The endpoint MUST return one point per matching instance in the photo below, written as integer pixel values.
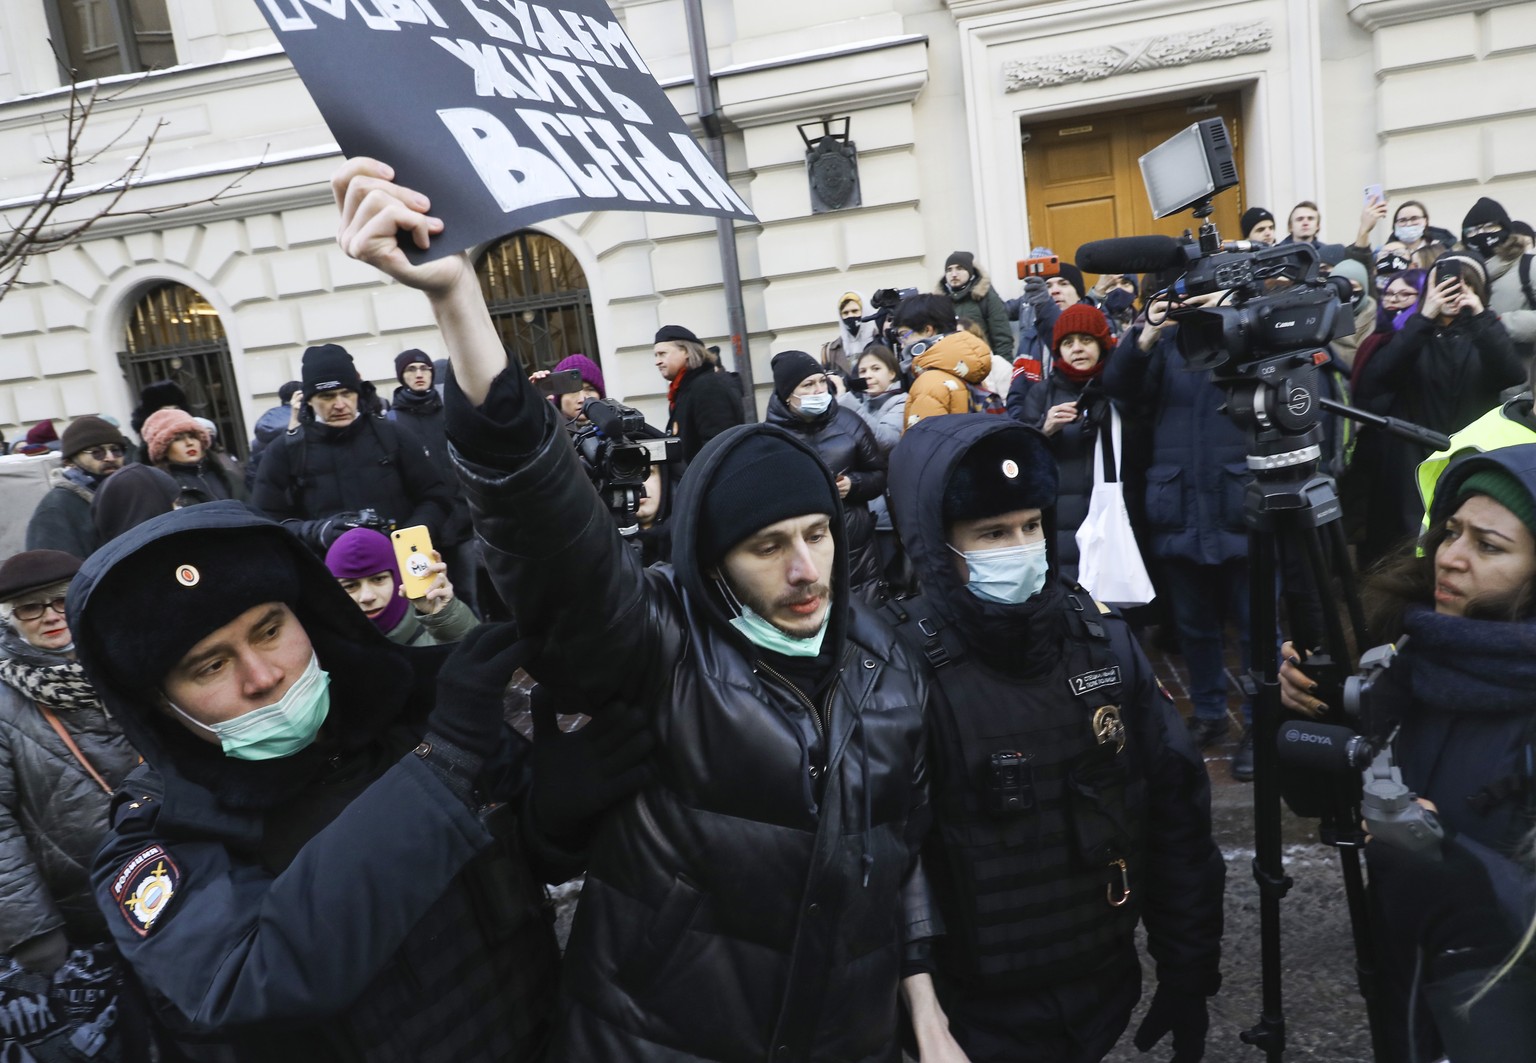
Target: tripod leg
(1268, 872)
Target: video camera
(617, 463)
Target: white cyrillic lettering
(491, 77)
(705, 170)
(573, 74)
(519, 10)
(546, 127)
(555, 39)
(416, 12)
(495, 25)
(628, 109)
(582, 34)
(546, 88)
(612, 37)
(372, 19)
(288, 21)
(514, 175)
(614, 139)
(671, 175)
(605, 159)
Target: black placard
(502, 112)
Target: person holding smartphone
(1443, 369)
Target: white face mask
(1408, 234)
(815, 405)
(1008, 576)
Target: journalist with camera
(341, 460)
(1458, 704)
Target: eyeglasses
(33, 610)
(904, 335)
(1410, 219)
(103, 453)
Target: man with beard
(93, 450)
(1068, 799)
(748, 903)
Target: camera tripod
(1295, 528)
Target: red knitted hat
(1084, 318)
(164, 425)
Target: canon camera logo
(1294, 735)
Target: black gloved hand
(471, 685)
(578, 775)
(1445, 906)
(1036, 294)
(1178, 1008)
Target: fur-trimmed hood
(978, 288)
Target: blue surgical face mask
(1008, 576)
(764, 635)
(815, 405)
(1408, 234)
(280, 729)
(1118, 300)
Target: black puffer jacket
(206, 478)
(320, 471)
(847, 445)
(420, 416)
(738, 908)
(52, 813)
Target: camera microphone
(1323, 747)
(1130, 254)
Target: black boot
(1206, 732)
(1242, 760)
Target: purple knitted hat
(364, 552)
(590, 373)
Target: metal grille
(174, 334)
(538, 298)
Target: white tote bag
(1109, 562)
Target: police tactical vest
(1035, 856)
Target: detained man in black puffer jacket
(754, 901)
(340, 461)
(803, 404)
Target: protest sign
(502, 112)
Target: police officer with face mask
(1069, 801)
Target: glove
(1446, 906)
(1179, 1009)
(580, 774)
(1035, 291)
(466, 722)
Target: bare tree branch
(35, 233)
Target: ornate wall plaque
(1174, 49)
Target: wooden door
(1082, 181)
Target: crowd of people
(870, 757)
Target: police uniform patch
(145, 887)
(1088, 682)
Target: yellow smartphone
(413, 553)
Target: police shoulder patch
(145, 886)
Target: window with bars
(174, 334)
(99, 38)
(538, 297)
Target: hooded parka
(337, 904)
(977, 300)
(1025, 896)
(747, 904)
(847, 446)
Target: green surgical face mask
(764, 635)
(280, 729)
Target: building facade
(983, 125)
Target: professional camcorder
(617, 462)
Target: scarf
(49, 677)
(1470, 666)
(1078, 376)
(420, 403)
(672, 388)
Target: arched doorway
(174, 334)
(538, 297)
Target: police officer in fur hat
(1069, 802)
